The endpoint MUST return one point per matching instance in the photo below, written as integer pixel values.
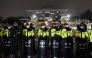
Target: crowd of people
(15, 38)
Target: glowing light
(34, 16)
(51, 19)
(68, 16)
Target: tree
(21, 17)
(90, 17)
(86, 15)
(11, 20)
(1, 19)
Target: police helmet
(9, 26)
(15, 24)
(56, 24)
(66, 25)
(82, 25)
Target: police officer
(8, 36)
(28, 41)
(81, 39)
(34, 49)
(63, 34)
(31, 26)
(90, 42)
(55, 41)
(43, 34)
(17, 41)
(1, 37)
(69, 42)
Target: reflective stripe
(81, 48)
(90, 35)
(77, 33)
(70, 33)
(47, 33)
(67, 47)
(44, 34)
(83, 35)
(1, 34)
(7, 33)
(24, 31)
(63, 33)
(7, 45)
(90, 38)
(32, 32)
(28, 33)
(39, 32)
(58, 33)
(53, 31)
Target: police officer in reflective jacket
(8, 36)
(69, 42)
(55, 41)
(34, 49)
(1, 37)
(17, 40)
(63, 37)
(43, 34)
(81, 39)
(28, 34)
(90, 42)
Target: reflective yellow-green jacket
(77, 33)
(64, 33)
(90, 35)
(40, 32)
(28, 33)
(7, 33)
(43, 33)
(58, 32)
(81, 34)
(53, 32)
(2, 32)
(69, 33)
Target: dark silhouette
(11, 20)
(86, 15)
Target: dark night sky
(19, 7)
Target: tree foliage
(11, 20)
(86, 15)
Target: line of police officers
(22, 39)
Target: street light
(68, 16)
(50, 19)
(34, 16)
(68, 19)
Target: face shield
(15, 24)
(24, 24)
(56, 25)
(66, 25)
(43, 26)
(27, 26)
(9, 27)
(81, 27)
